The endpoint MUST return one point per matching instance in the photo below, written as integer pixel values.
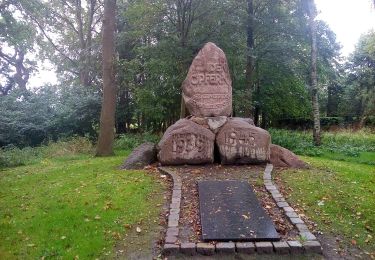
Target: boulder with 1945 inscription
(241, 143)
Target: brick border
(174, 211)
(311, 244)
(172, 246)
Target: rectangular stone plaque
(230, 211)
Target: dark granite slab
(230, 211)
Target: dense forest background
(156, 41)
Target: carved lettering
(243, 143)
(186, 143)
(207, 78)
(240, 137)
(207, 89)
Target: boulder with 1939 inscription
(186, 142)
(240, 143)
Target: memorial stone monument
(207, 93)
(207, 89)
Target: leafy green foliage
(47, 114)
(26, 119)
(359, 96)
(335, 144)
(327, 123)
(68, 36)
(155, 54)
(298, 142)
(77, 112)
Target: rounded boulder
(186, 142)
(239, 142)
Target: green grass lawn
(338, 193)
(73, 206)
(65, 204)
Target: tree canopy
(155, 44)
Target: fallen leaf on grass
(108, 205)
(369, 237)
(116, 235)
(368, 228)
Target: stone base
(192, 141)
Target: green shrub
(130, 141)
(370, 121)
(43, 115)
(70, 146)
(12, 156)
(344, 142)
(349, 143)
(325, 122)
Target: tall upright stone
(207, 89)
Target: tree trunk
(85, 40)
(264, 121)
(256, 114)
(107, 115)
(22, 74)
(183, 110)
(313, 73)
(250, 65)
(121, 120)
(256, 107)
(333, 99)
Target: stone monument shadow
(217, 154)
